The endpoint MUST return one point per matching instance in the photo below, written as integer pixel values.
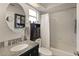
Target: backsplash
(14, 41)
(11, 42)
(1, 44)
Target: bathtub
(57, 52)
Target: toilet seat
(45, 51)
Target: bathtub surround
(62, 36)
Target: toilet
(43, 51)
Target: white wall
(62, 30)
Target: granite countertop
(6, 50)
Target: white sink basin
(19, 47)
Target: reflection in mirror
(19, 21)
(15, 17)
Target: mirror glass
(15, 17)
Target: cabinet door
(26, 54)
(32, 52)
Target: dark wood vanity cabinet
(32, 52)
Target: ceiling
(52, 7)
(47, 5)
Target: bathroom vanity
(31, 50)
